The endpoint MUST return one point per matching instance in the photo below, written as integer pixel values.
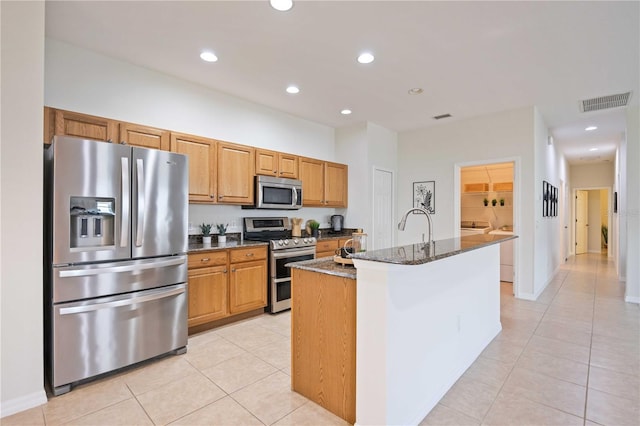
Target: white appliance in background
(506, 256)
(472, 227)
(116, 271)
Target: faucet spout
(403, 221)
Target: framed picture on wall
(545, 198)
(424, 196)
(615, 202)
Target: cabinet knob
(220, 197)
(206, 259)
(275, 172)
(233, 269)
(224, 272)
(249, 254)
(212, 196)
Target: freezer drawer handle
(124, 223)
(123, 268)
(117, 303)
(141, 206)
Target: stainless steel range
(283, 249)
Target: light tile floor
(571, 357)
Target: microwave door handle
(295, 196)
(126, 202)
(141, 200)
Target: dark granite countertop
(325, 265)
(197, 247)
(417, 254)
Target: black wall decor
(615, 202)
(549, 200)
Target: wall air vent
(605, 102)
(440, 117)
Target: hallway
(571, 357)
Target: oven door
(280, 276)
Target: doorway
(592, 220)
(382, 235)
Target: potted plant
(494, 202)
(222, 232)
(486, 201)
(314, 225)
(205, 228)
(502, 201)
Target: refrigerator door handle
(141, 206)
(126, 202)
(118, 303)
(124, 268)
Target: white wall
(80, 80)
(433, 153)
(632, 209)
(21, 344)
(550, 166)
(363, 147)
(592, 175)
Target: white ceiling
(471, 58)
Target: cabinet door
(85, 126)
(247, 286)
(312, 177)
(145, 137)
(235, 167)
(202, 160)
(335, 185)
(288, 166)
(49, 124)
(266, 162)
(207, 295)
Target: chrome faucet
(403, 222)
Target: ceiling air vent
(605, 102)
(440, 117)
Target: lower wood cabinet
(223, 283)
(326, 248)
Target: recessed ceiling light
(590, 128)
(208, 56)
(281, 5)
(366, 58)
(593, 149)
(416, 91)
(293, 90)
(345, 112)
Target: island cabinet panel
(312, 177)
(235, 169)
(207, 295)
(67, 123)
(144, 137)
(247, 286)
(323, 340)
(202, 161)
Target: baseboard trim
(15, 405)
(632, 299)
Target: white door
(582, 224)
(382, 209)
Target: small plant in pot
(502, 201)
(205, 228)
(494, 202)
(222, 232)
(486, 201)
(314, 225)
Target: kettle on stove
(336, 222)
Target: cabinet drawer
(246, 254)
(209, 258)
(328, 245)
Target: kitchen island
(382, 343)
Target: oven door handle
(293, 252)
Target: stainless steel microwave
(278, 193)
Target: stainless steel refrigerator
(116, 221)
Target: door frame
(574, 192)
(375, 168)
(517, 211)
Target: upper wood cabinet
(312, 177)
(335, 184)
(83, 125)
(145, 137)
(202, 163)
(273, 163)
(324, 184)
(235, 172)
